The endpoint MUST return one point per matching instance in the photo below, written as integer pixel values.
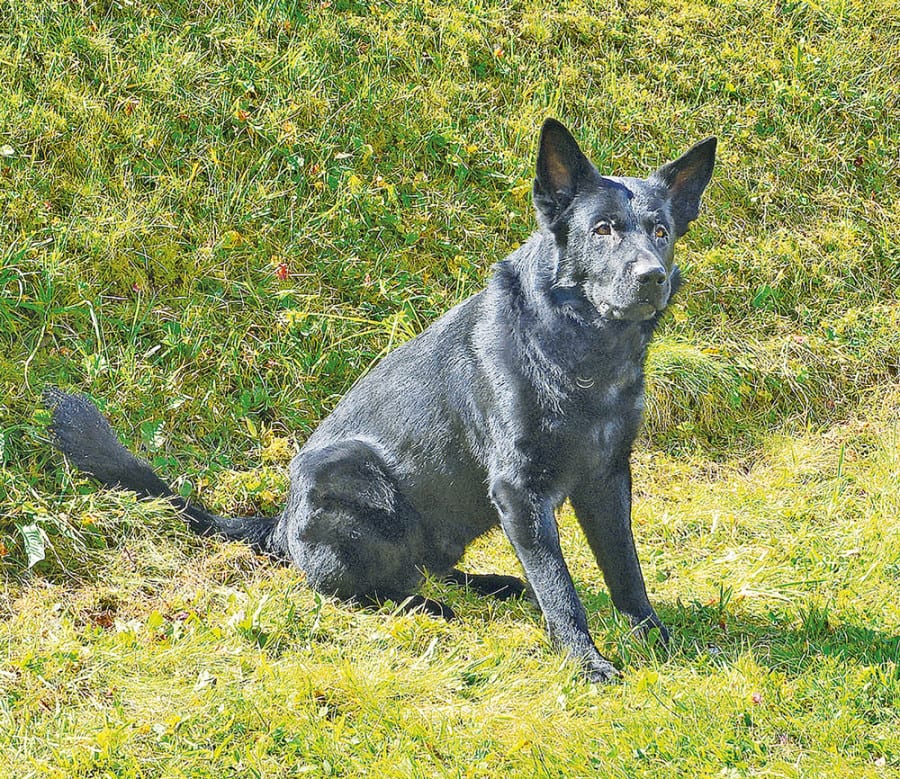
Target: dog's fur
(525, 394)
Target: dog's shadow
(789, 638)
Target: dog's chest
(600, 416)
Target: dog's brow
(613, 200)
(616, 185)
(649, 203)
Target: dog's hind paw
(410, 605)
(492, 584)
(420, 604)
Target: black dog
(521, 396)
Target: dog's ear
(561, 167)
(686, 178)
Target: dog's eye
(660, 232)
(602, 228)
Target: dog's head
(616, 236)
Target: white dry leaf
(204, 679)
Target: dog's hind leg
(495, 585)
(349, 526)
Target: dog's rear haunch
(521, 396)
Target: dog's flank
(521, 396)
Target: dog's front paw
(643, 626)
(599, 670)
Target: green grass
(163, 165)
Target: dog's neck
(557, 333)
(564, 314)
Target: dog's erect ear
(686, 178)
(561, 167)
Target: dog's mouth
(637, 311)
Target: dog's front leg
(529, 522)
(603, 508)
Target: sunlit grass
(214, 217)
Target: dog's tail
(83, 435)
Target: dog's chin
(634, 312)
(622, 310)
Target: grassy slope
(159, 163)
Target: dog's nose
(650, 273)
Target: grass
(214, 217)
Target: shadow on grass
(779, 640)
(787, 638)
(784, 639)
